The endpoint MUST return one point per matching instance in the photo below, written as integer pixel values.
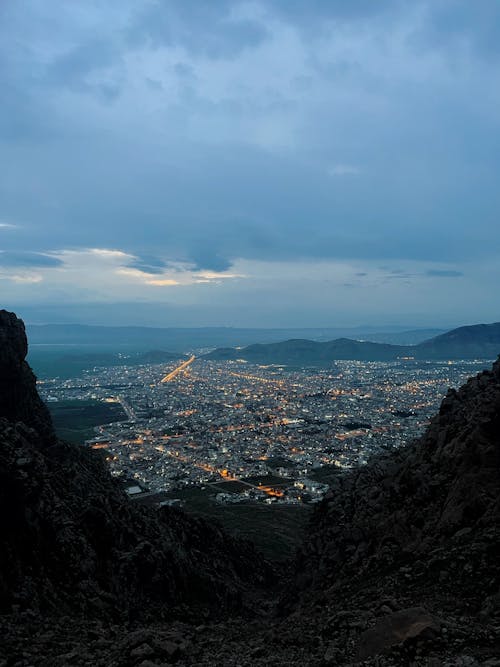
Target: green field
(275, 529)
(75, 420)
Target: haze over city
(250, 163)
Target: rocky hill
(400, 566)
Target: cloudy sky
(268, 163)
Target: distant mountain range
(470, 342)
(187, 339)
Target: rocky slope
(441, 491)
(401, 566)
(71, 542)
(412, 542)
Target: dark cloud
(203, 28)
(444, 273)
(207, 258)
(316, 11)
(148, 264)
(207, 132)
(28, 260)
(461, 24)
(77, 68)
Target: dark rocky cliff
(439, 495)
(70, 541)
(19, 400)
(403, 554)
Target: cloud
(106, 253)
(209, 258)
(26, 259)
(146, 278)
(444, 273)
(89, 67)
(23, 278)
(203, 28)
(148, 264)
(196, 136)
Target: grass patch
(75, 420)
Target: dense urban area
(253, 433)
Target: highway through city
(170, 376)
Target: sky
(269, 163)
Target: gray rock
(394, 629)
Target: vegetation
(75, 420)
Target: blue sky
(272, 163)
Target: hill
(478, 341)
(308, 352)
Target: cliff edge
(72, 543)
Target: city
(249, 433)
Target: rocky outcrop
(19, 400)
(72, 542)
(436, 501)
(415, 530)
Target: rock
(168, 649)
(142, 651)
(19, 400)
(385, 609)
(395, 629)
(331, 655)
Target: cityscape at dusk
(256, 433)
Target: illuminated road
(224, 473)
(170, 376)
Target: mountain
(185, 339)
(479, 341)
(411, 337)
(399, 567)
(308, 352)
